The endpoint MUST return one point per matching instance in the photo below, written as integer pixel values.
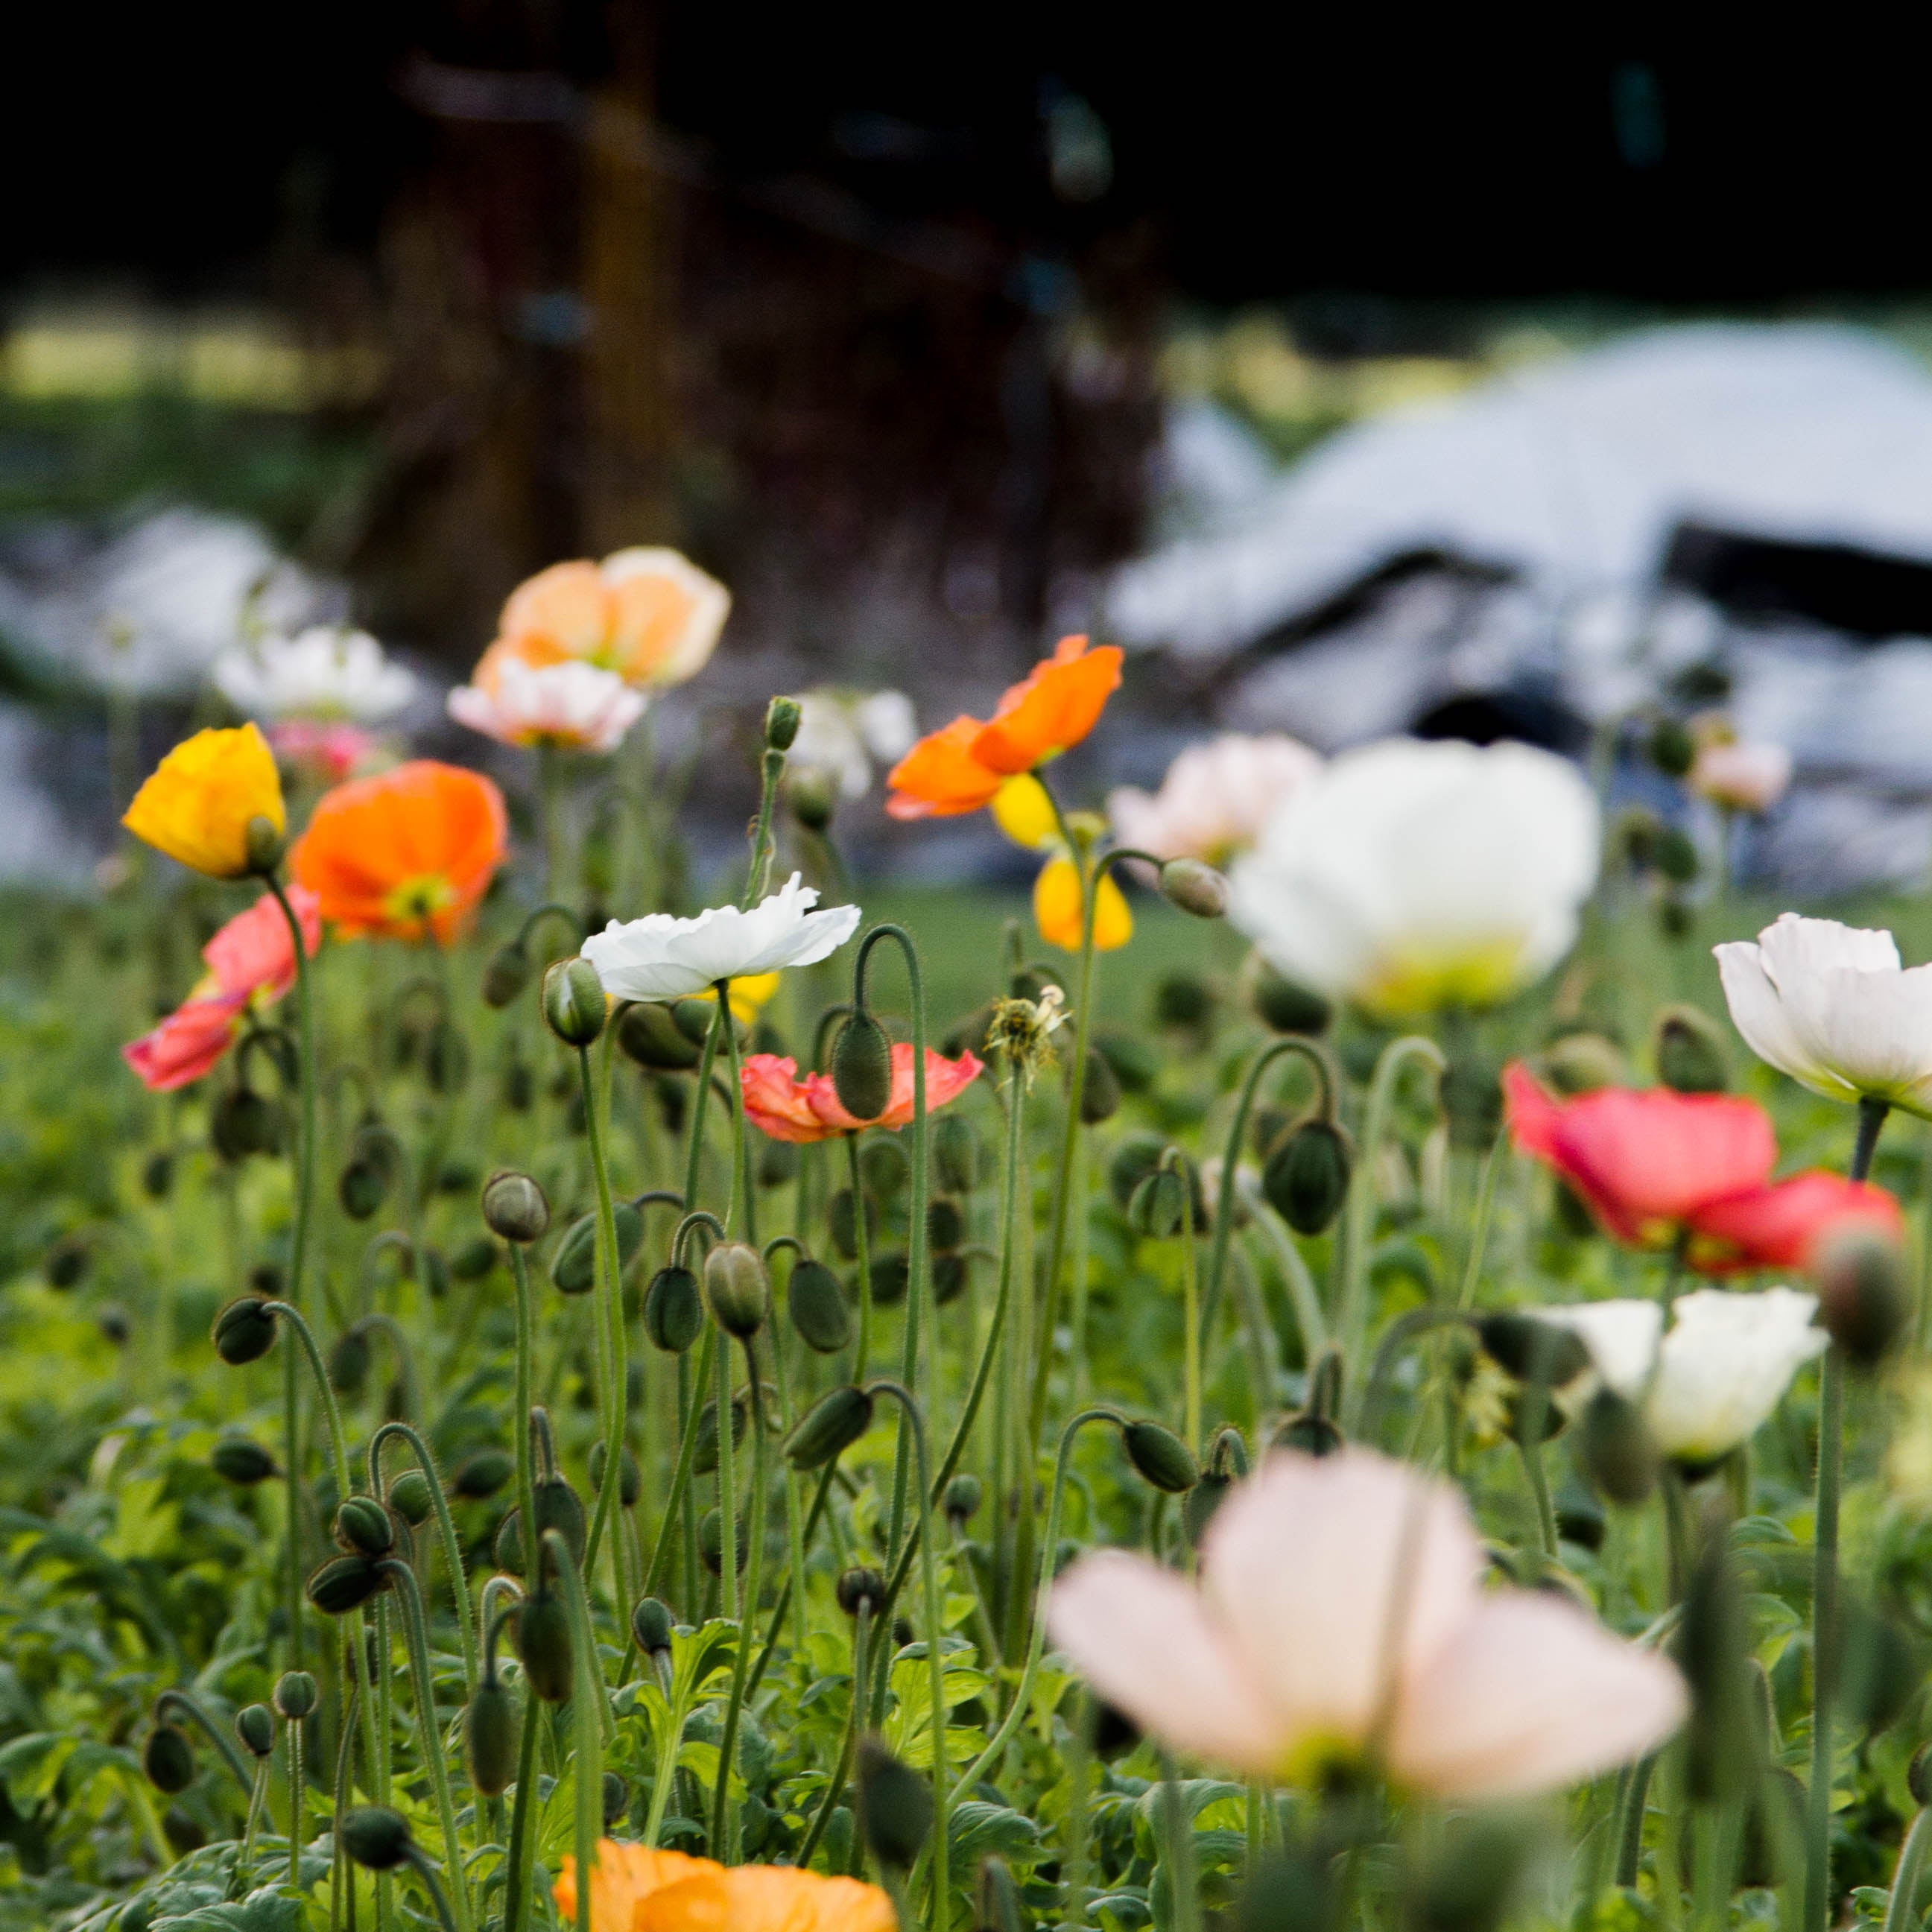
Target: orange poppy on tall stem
(959, 769)
(406, 853)
(635, 1888)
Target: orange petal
(940, 778)
(777, 1103)
(568, 604)
(621, 1878)
(764, 1898)
(1052, 709)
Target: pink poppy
(787, 1108)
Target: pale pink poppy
(251, 960)
(1741, 777)
(572, 704)
(1215, 798)
(1341, 1614)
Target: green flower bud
(1865, 1300)
(630, 1478)
(1689, 1051)
(1160, 1204)
(781, 721)
(490, 1736)
(245, 1122)
(1135, 1065)
(1282, 1004)
(648, 1035)
(737, 1288)
(1183, 1000)
(183, 1834)
(411, 1497)
(711, 1541)
(296, 1696)
(1674, 855)
(1581, 1062)
(1675, 918)
(361, 1187)
(816, 1303)
(1100, 1092)
(830, 1427)
(255, 1726)
(895, 1806)
(1531, 1350)
(842, 1215)
(519, 1085)
(1194, 887)
(243, 1331)
(1616, 1450)
(345, 1583)
(862, 1066)
(505, 974)
(544, 1642)
(778, 1163)
(168, 1759)
(861, 1588)
(945, 1224)
(445, 1059)
(1305, 1179)
(673, 1310)
(262, 839)
(157, 1175)
(241, 1460)
(377, 1838)
(892, 1275)
(364, 1528)
(558, 1507)
(813, 795)
(704, 1453)
(574, 1005)
(482, 1473)
(949, 1278)
(956, 1154)
(1671, 749)
(1309, 1434)
(1160, 1455)
(515, 1208)
(573, 1267)
(693, 1019)
(475, 1260)
(651, 1625)
(962, 1498)
(1136, 1156)
(1472, 1102)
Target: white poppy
(661, 957)
(1340, 1605)
(572, 704)
(323, 673)
(1215, 798)
(1408, 877)
(1718, 1373)
(1831, 1006)
(842, 734)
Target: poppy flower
(1340, 1615)
(960, 768)
(251, 960)
(573, 704)
(1780, 1226)
(1024, 811)
(649, 615)
(332, 752)
(406, 854)
(635, 1888)
(1217, 798)
(778, 1102)
(198, 803)
(327, 674)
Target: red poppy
(1780, 1226)
(787, 1108)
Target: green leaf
(979, 1831)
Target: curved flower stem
(862, 1350)
(1301, 1290)
(611, 1313)
(180, 1700)
(741, 1664)
(258, 1792)
(523, 1816)
(338, 1443)
(680, 1498)
(452, 1545)
(588, 1712)
(834, 1786)
(1899, 1915)
(429, 1734)
(418, 1862)
(1352, 1314)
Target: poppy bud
(945, 1224)
(514, 1207)
(1100, 1092)
(1531, 1350)
(490, 1734)
(245, 1122)
(816, 1303)
(737, 1288)
(1160, 1455)
(345, 1583)
(243, 1331)
(1864, 1301)
(518, 1085)
(813, 795)
(1282, 1004)
(361, 1187)
(649, 1036)
(1581, 1062)
(778, 1163)
(892, 1275)
(711, 1541)
(895, 1806)
(1305, 1179)
(377, 1838)
(157, 1175)
(296, 1696)
(997, 1905)
(446, 1059)
(1672, 748)
(962, 1497)
(1160, 1204)
(506, 973)
(1183, 1000)
(1616, 1449)
(482, 1473)
(861, 1587)
(651, 1625)
(573, 1267)
(630, 1479)
(544, 1641)
(1674, 855)
(168, 1759)
(560, 1507)
(704, 1455)
(364, 1528)
(67, 1262)
(242, 1461)
(781, 721)
(1689, 1052)
(673, 1310)
(1472, 1102)
(1194, 887)
(616, 1796)
(410, 1497)
(829, 1428)
(574, 1005)
(255, 1726)
(956, 1154)
(262, 841)
(1134, 1159)
(862, 1066)
(1309, 1434)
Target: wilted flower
(649, 615)
(634, 1888)
(406, 854)
(251, 961)
(1022, 1030)
(200, 800)
(1831, 1006)
(572, 705)
(325, 674)
(661, 957)
(1216, 798)
(1340, 1615)
(1408, 876)
(787, 1108)
(841, 733)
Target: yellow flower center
(420, 897)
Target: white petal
(1758, 1013)
(1725, 1366)
(1797, 948)
(1621, 1336)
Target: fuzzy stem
(609, 1312)
(586, 1695)
(754, 1570)
(452, 1546)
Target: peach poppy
(252, 959)
(787, 1108)
(405, 853)
(633, 1889)
(651, 615)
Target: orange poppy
(406, 854)
(960, 768)
(633, 1889)
(651, 615)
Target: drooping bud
(673, 1310)
(574, 1006)
(651, 1625)
(1159, 1207)
(648, 1035)
(296, 1696)
(737, 1288)
(1581, 1062)
(861, 1588)
(410, 1497)
(1134, 1159)
(956, 1154)
(255, 1726)
(777, 1164)
(377, 1838)
(244, 1331)
(704, 1452)
(1533, 1351)
(1864, 1299)
(364, 1528)
(1195, 887)
(1472, 1102)
(482, 1473)
(1688, 1051)
(505, 974)
(1161, 1457)
(157, 1174)
(1282, 1004)
(862, 1066)
(544, 1641)
(630, 1477)
(813, 795)
(1185, 1000)
(241, 1460)
(1309, 1434)
(1227, 1462)
(514, 1207)
(781, 721)
(490, 1736)
(245, 1122)
(945, 1224)
(361, 1187)
(962, 1498)
(345, 1583)
(1674, 855)
(895, 1806)
(830, 1427)
(168, 1759)
(948, 1278)
(1305, 1179)
(1616, 1449)
(711, 1541)
(1100, 1091)
(573, 1267)
(816, 1303)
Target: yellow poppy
(750, 996)
(1057, 908)
(1024, 813)
(635, 1889)
(198, 804)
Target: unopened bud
(1672, 750)
(859, 1589)
(241, 1460)
(1305, 1179)
(830, 1427)
(1160, 1455)
(1194, 887)
(1134, 1159)
(1183, 1000)
(1282, 1004)
(782, 719)
(168, 1759)
(377, 1838)
(574, 1005)
(364, 1528)
(361, 1187)
(1100, 1091)
(1616, 1449)
(737, 1288)
(649, 1035)
(67, 1262)
(573, 1267)
(514, 1207)
(813, 795)
(483, 1472)
(1472, 1102)
(673, 1310)
(895, 1806)
(345, 1583)
(1864, 1299)
(410, 1497)
(263, 840)
(816, 1303)
(245, 1122)
(630, 1477)
(296, 1696)
(962, 1498)
(704, 1452)
(1674, 855)
(505, 974)
(544, 1642)
(651, 1625)
(711, 1542)
(244, 1331)
(1581, 1062)
(255, 1726)
(862, 1066)
(490, 1734)
(1689, 1051)
(1533, 1351)
(157, 1175)
(1309, 1434)
(1160, 1204)
(956, 1154)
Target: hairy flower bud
(1160, 1203)
(1616, 1449)
(1195, 887)
(296, 1695)
(255, 1726)
(489, 1735)
(862, 1066)
(1310, 1433)
(711, 1542)
(410, 1497)
(1282, 1004)
(673, 1310)
(364, 1528)
(816, 1303)
(1688, 1051)
(345, 1583)
(1864, 1298)
(573, 1267)
(813, 795)
(377, 1838)
(956, 1154)
(630, 1478)
(361, 1187)
(1581, 1062)
(649, 1035)
(1533, 1351)
(514, 1207)
(830, 1427)
(895, 1806)
(1160, 1455)
(168, 1759)
(651, 1625)
(544, 1641)
(245, 1122)
(574, 1005)
(781, 721)
(962, 1498)
(244, 1331)
(1672, 748)
(861, 1588)
(482, 1473)
(505, 974)
(241, 1460)
(1100, 1091)
(737, 1288)
(1305, 1179)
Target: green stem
(180, 1700)
(610, 1312)
(862, 1352)
(754, 1569)
(1899, 1914)
(1177, 1852)
(298, 1796)
(586, 1696)
(452, 1545)
(526, 1495)
(835, 1788)
(522, 1814)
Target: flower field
(1359, 1362)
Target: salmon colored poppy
(651, 615)
(251, 960)
(959, 768)
(1057, 908)
(633, 1889)
(199, 801)
(787, 1108)
(406, 854)
(1781, 1226)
